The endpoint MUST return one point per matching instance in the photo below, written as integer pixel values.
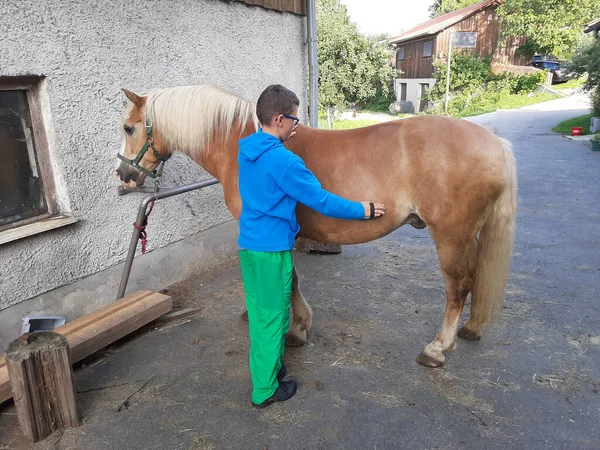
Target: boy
(272, 181)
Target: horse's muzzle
(127, 174)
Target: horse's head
(141, 153)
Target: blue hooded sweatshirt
(272, 180)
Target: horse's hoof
(469, 335)
(293, 340)
(245, 316)
(429, 361)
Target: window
(21, 186)
(26, 184)
(427, 49)
(399, 56)
(424, 102)
(402, 92)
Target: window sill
(35, 228)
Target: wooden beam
(293, 6)
(5, 390)
(94, 331)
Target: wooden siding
(293, 6)
(488, 44)
(487, 34)
(414, 65)
(505, 52)
(488, 39)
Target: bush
(587, 61)
(381, 101)
(467, 74)
(596, 102)
(474, 86)
(503, 82)
(528, 82)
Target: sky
(387, 16)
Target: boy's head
(276, 109)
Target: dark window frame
(32, 85)
(423, 101)
(403, 91)
(398, 59)
(431, 50)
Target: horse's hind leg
(301, 316)
(459, 281)
(471, 331)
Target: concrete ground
(531, 383)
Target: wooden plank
(293, 6)
(112, 322)
(103, 312)
(35, 228)
(94, 331)
(5, 390)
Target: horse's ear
(134, 98)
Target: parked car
(559, 69)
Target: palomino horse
(449, 175)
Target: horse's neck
(221, 162)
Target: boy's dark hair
(275, 99)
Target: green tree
(587, 61)
(551, 26)
(352, 66)
(441, 7)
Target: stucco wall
(88, 50)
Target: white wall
(413, 89)
(88, 50)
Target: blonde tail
(495, 246)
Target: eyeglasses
(295, 119)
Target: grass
(571, 84)
(347, 124)
(511, 101)
(581, 121)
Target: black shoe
(282, 373)
(285, 391)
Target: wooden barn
(476, 28)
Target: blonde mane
(190, 117)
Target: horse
(452, 176)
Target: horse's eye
(128, 129)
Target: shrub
(596, 102)
(381, 101)
(467, 74)
(473, 85)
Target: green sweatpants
(268, 284)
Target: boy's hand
(373, 210)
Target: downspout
(302, 244)
(313, 63)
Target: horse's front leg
(459, 281)
(300, 317)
